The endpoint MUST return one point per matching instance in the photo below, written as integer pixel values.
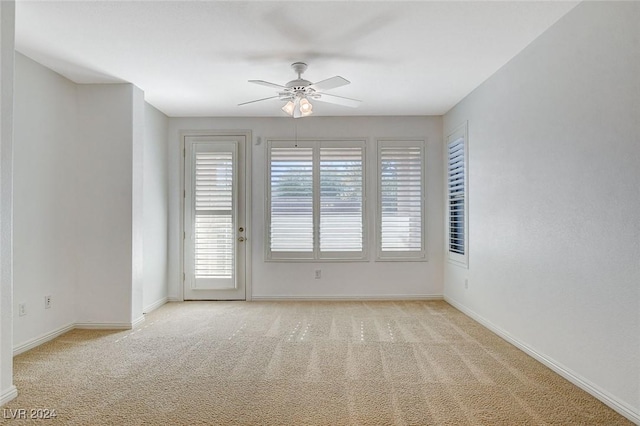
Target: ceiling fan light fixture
(288, 108)
(305, 107)
(300, 107)
(297, 113)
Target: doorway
(215, 248)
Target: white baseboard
(8, 395)
(37, 341)
(137, 321)
(104, 325)
(174, 299)
(350, 298)
(152, 307)
(624, 409)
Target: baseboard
(37, 341)
(349, 298)
(584, 384)
(137, 321)
(30, 344)
(104, 325)
(8, 395)
(174, 299)
(152, 307)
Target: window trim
(316, 255)
(461, 131)
(401, 256)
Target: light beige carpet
(296, 363)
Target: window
(213, 222)
(400, 219)
(316, 195)
(291, 201)
(341, 199)
(457, 217)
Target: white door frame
(247, 195)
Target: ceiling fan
(298, 93)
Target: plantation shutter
(456, 198)
(401, 199)
(291, 201)
(341, 201)
(214, 226)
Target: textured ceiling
(193, 58)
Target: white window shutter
(214, 228)
(401, 200)
(457, 200)
(291, 200)
(316, 200)
(456, 184)
(341, 201)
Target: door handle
(241, 239)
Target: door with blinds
(214, 218)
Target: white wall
(105, 204)
(80, 180)
(554, 195)
(45, 236)
(76, 234)
(137, 202)
(155, 207)
(7, 32)
(340, 280)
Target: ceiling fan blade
(266, 83)
(330, 83)
(258, 100)
(338, 100)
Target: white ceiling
(193, 58)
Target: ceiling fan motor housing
(299, 85)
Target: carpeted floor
(297, 363)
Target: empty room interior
(320, 212)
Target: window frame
(316, 255)
(461, 131)
(401, 256)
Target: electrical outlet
(47, 302)
(318, 274)
(466, 283)
(22, 309)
